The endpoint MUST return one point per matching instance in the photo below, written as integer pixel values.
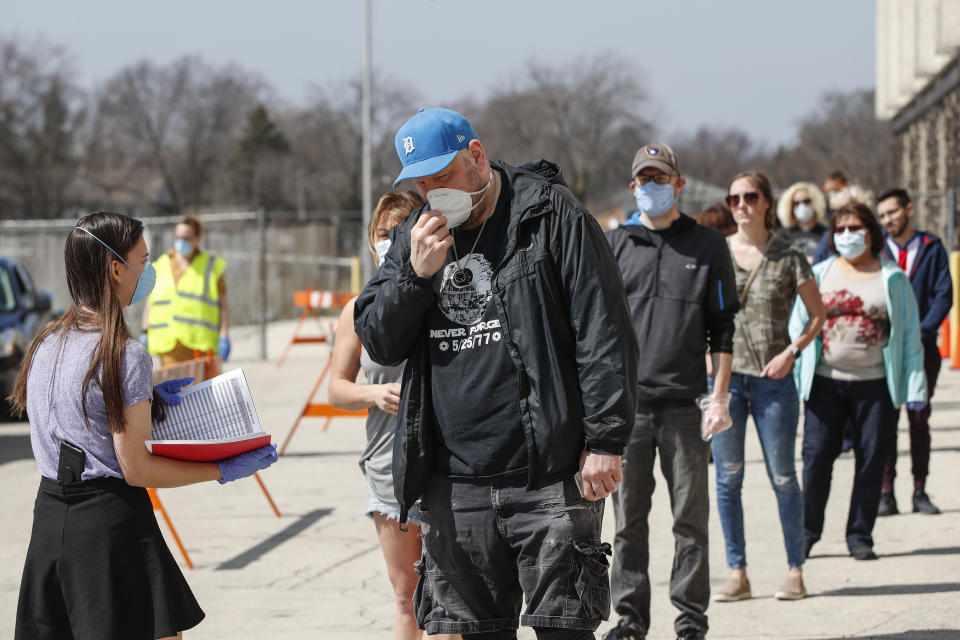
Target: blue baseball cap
(430, 140)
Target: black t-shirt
(806, 241)
(474, 380)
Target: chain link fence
(269, 255)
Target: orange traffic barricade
(310, 300)
(158, 506)
(202, 367)
(944, 335)
(320, 410)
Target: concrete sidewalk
(317, 571)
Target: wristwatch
(793, 349)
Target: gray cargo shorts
(489, 543)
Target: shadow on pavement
(926, 634)
(319, 454)
(895, 590)
(14, 447)
(933, 551)
(274, 541)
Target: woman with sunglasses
(770, 275)
(802, 210)
(867, 362)
(97, 565)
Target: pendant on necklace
(462, 277)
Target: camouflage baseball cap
(656, 155)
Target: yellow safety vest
(187, 311)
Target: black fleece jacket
(682, 293)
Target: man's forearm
(722, 365)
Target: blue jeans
(775, 409)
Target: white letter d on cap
(408, 144)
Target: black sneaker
(922, 504)
(863, 552)
(625, 631)
(888, 504)
(691, 635)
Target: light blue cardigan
(903, 355)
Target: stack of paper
(215, 420)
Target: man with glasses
(682, 292)
(922, 256)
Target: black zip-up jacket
(682, 292)
(566, 326)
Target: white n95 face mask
(803, 212)
(850, 244)
(455, 205)
(381, 248)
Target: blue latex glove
(143, 339)
(916, 406)
(247, 464)
(223, 348)
(169, 390)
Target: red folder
(207, 450)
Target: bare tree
(841, 133)
(326, 141)
(715, 155)
(40, 113)
(170, 131)
(588, 115)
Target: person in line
(922, 256)
(682, 294)
(802, 210)
(771, 273)
(97, 565)
(381, 397)
(187, 310)
(518, 391)
(865, 364)
(717, 217)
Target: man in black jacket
(922, 256)
(682, 293)
(519, 388)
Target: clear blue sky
(755, 64)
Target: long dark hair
(95, 302)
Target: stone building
(918, 89)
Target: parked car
(24, 310)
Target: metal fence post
(262, 277)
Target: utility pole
(367, 167)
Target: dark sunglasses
(750, 198)
(850, 227)
(807, 201)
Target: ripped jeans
(488, 543)
(775, 408)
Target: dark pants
(868, 407)
(919, 425)
(673, 428)
(490, 542)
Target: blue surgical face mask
(654, 199)
(183, 247)
(146, 280)
(851, 244)
(381, 248)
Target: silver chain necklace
(463, 277)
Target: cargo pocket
(593, 581)
(422, 595)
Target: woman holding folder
(97, 565)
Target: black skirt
(98, 568)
